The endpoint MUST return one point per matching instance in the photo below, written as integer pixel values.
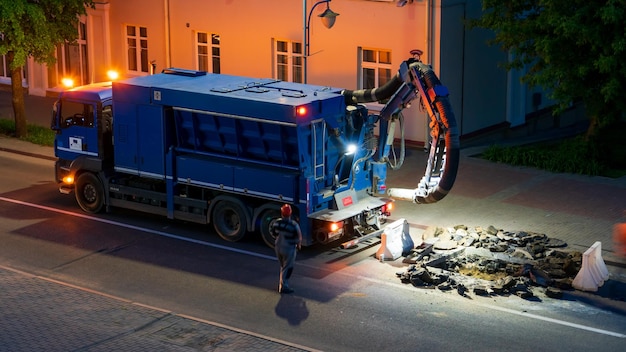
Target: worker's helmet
(285, 211)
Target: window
(208, 53)
(137, 48)
(72, 61)
(4, 67)
(288, 60)
(375, 67)
(5, 72)
(76, 114)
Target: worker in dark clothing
(288, 240)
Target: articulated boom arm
(417, 80)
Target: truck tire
(265, 222)
(89, 193)
(229, 221)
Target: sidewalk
(39, 314)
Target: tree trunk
(19, 110)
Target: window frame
(72, 60)
(212, 55)
(293, 66)
(140, 55)
(376, 66)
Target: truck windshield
(76, 114)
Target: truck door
(78, 133)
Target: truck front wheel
(89, 193)
(229, 221)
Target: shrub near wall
(570, 156)
(36, 134)
(604, 154)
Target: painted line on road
(132, 227)
(555, 321)
(502, 309)
(169, 235)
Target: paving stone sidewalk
(42, 315)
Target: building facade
(262, 39)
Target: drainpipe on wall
(168, 56)
(429, 31)
(428, 59)
(304, 41)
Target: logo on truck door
(76, 143)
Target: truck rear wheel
(89, 193)
(266, 220)
(229, 221)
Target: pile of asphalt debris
(490, 261)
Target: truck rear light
(301, 111)
(387, 208)
(329, 232)
(335, 226)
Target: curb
(30, 154)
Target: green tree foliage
(33, 28)
(575, 49)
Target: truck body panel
(195, 138)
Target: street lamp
(328, 20)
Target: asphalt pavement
(42, 314)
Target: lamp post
(328, 20)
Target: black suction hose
(453, 145)
(374, 94)
(442, 105)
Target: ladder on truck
(318, 136)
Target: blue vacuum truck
(229, 151)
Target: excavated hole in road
(489, 261)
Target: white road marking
(502, 309)
(555, 321)
(132, 227)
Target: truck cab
(83, 121)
